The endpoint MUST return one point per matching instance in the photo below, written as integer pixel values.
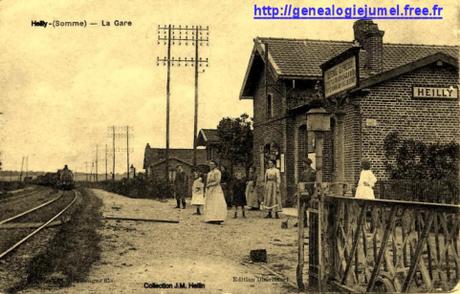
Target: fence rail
(378, 245)
(438, 191)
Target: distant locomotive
(62, 179)
(65, 179)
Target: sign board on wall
(421, 92)
(370, 122)
(341, 77)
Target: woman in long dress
(366, 182)
(215, 208)
(197, 192)
(272, 195)
(251, 190)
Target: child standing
(197, 192)
(239, 197)
(366, 182)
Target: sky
(60, 88)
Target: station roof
(155, 156)
(301, 58)
(207, 136)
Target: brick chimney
(369, 36)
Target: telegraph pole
(113, 155)
(106, 162)
(167, 36)
(86, 171)
(127, 151)
(97, 162)
(168, 84)
(22, 167)
(91, 173)
(27, 166)
(180, 35)
(119, 132)
(195, 117)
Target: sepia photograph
(233, 147)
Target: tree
(236, 136)
(417, 160)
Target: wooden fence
(360, 245)
(437, 191)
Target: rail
(31, 210)
(17, 244)
(15, 197)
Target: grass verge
(72, 251)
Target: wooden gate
(360, 245)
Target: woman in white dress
(366, 182)
(272, 195)
(215, 208)
(197, 192)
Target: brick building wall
(290, 160)
(276, 89)
(269, 129)
(392, 106)
(360, 126)
(328, 157)
(300, 144)
(352, 143)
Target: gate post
(315, 250)
(318, 121)
(301, 206)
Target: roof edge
(270, 62)
(178, 159)
(350, 42)
(408, 67)
(248, 69)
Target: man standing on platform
(308, 177)
(180, 186)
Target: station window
(269, 106)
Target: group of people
(206, 193)
(211, 192)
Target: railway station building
(209, 139)
(408, 88)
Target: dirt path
(138, 255)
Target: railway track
(31, 210)
(12, 207)
(41, 227)
(15, 197)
